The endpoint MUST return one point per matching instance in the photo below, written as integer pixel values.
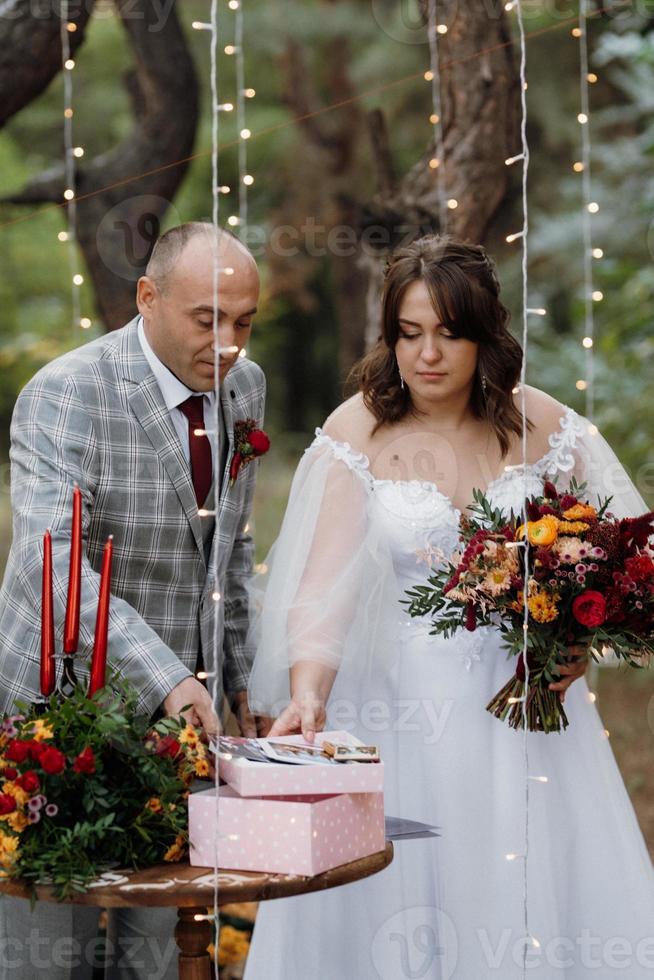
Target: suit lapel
(146, 402)
(227, 395)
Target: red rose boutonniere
(249, 444)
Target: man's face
(179, 318)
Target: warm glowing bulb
(71, 27)
(78, 280)
(598, 296)
(592, 697)
(199, 25)
(607, 733)
(224, 189)
(576, 32)
(85, 323)
(233, 4)
(226, 107)
(598, 253)
(68, 113)
(429, 76)
(248, 180)
(249, 93)
(592, 77)
(582, 118)
(69, 64)
(63, 236)
(233, 220)
(452, 203)
(578, 166)
(512, 238)
(228, 270)
(243, 353)
(69, 193)
(215, 596)
(245, 134)
(78, 151)
(230, 49)
(593, 207)
(587, 342)
(434, 163)
(434, 118)
(442, 28)
(581, 385)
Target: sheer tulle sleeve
(580, 450)
(326, 578)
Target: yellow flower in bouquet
(17, 821)
(543, 607)
(17, 792)
(233, 946)
(154, 804)
(572, 527)
(188, 736)
(176, 851)
(580, 512)
(543, 532)
(41, 731)
(201, 767)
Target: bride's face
(433, 362)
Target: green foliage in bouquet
(89, 784)
(590, 582)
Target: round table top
(184, 886)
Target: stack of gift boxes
(289, 819)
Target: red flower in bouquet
(168, 746)
(249, 444)
(17, 751)
(29, 781)
(9, 772)
(7, 804)
(589, 608)
(53, 761)
(640, 568)
(85, 761)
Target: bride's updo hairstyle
(465, 293)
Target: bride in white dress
(376, 496)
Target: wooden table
(191, 890)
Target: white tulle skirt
(454, 906)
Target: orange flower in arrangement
(572, 527)
(176, 851)
(542, 533)
(542, 607)
(154, 804)
(580, 512)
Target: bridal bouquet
(590, 581)
(87, 785)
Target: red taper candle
(71, 625)
(47, 621)
(99, 659)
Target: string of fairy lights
(71, 154)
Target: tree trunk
(122, 195)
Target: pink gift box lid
(283, 779)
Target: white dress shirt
(174, 393)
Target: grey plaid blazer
(96, 416)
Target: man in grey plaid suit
(107, 416)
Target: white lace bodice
(420, 521)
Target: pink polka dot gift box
(288, 818)
(250, 778)
(297, 835)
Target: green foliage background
(297, 343)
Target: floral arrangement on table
(590, 582)
(86, 782)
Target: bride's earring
(484, 384)
(401, 378)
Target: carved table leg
(193, 938)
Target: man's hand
(190, 692)
(572, 672)
(247, 723)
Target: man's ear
(146, 293)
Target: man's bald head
(169, 251)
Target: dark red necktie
(201, 467)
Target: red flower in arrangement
(85, 761)
(36, 750)
(29, 781)
(53, 761)
(640, 568)
(17, 751)
(550, 491)
(636, 531)
(9, 772)
(568, 501)
(7, 803)
(589, 608)
(471, 618)
(249, 444)
(168, 746)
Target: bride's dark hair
(465, 292)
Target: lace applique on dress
(560, 458)
(358, 462)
